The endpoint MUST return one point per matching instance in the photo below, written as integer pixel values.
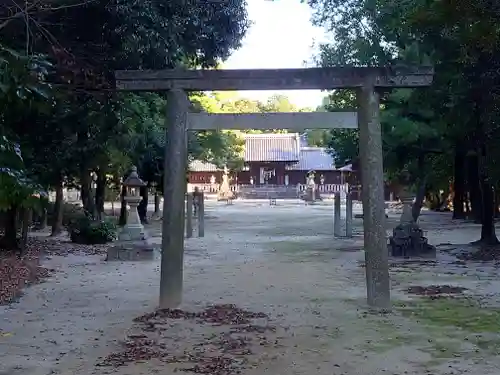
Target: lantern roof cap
(133, 179)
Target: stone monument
(312, 191)
(225, 193)
(407, 238)
(132, 241)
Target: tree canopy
(57, 61)
(426, 132)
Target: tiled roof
(278, 147)
(313, 158)
(272, 147)
(200, 166)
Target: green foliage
(71, 213)
(85, 230)
(67, 131)
(16, 188)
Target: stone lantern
(133, 230)
(132, 243)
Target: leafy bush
(86, 231)
(71, 213)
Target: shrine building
(273, 159)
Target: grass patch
(297, 247)
(384, 334)
(392, 342)
(457, 327)
(463, 313)
(490, 345)
(452, 328)
(444, 349)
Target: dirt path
(279, 260)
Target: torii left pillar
(174, 191)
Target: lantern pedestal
(132, 241)
(133, 230)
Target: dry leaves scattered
(223, 353)
(64, 247)
(19, 271)
(435, 290)
(483, 254)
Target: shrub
(71, 213)
(86, 231)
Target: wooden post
(375, 242)
(336, 215)
(348, 214)
(201, 215)
(173, 202)
(189, 215)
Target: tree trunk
(86, 191)
(26, 221)
(416, 209)
(43, 218)
(157, 203)
(422, 188)
(57, 224)
(123, 209)
(473, 185)
(488, 235)
(142, 208)
(459, 183)
(100, 192)
(10, 237)
(497, 203)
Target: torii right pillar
(375, 243)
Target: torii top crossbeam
(273, 79)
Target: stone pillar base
(132, 232)
(131, 251)
(408, 240)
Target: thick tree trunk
(142, 209)
(157, 203)
(42, 224)
(459, 183)
(488, 235)
(57, 224)
(86, 191)
(474, 188)
(419, 200)
(497, 203)
(100, 192)
(10, 238)
(123, 208)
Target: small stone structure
(132, 241)
(407, 238)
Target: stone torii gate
(365, 80)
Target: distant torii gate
(365, 80)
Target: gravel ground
(280, 260)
